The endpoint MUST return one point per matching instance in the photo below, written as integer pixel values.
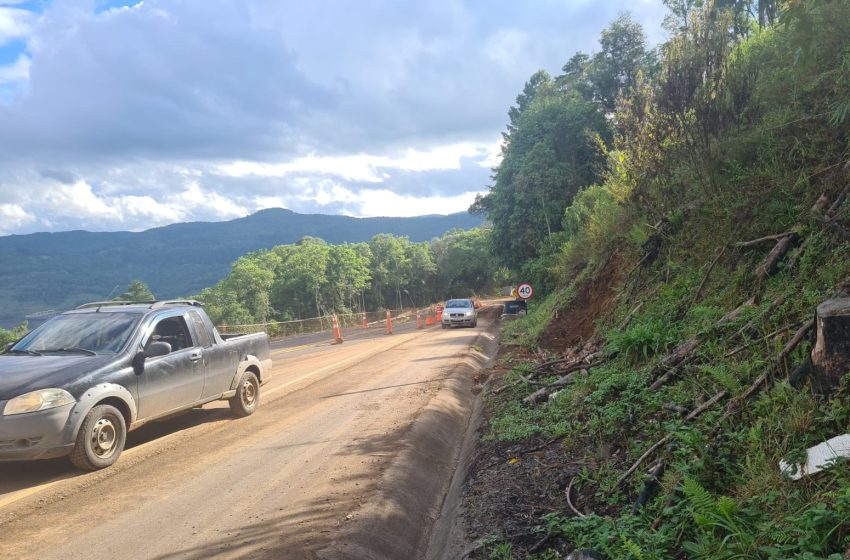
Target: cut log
(831, 354)
(770, 263)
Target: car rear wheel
(101, 438)
(247, 396)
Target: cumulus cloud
(127, 116)
(15, 23)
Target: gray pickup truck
(78, 383)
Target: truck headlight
(38, 400)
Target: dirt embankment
(593, 300)
(509, 487)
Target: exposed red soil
(577, 321)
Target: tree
(349, 273)
(553, 151)
(623, 55)
(136, 291)
(301, 277)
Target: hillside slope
(644, 406)
(59, 270)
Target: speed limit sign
(525, 290)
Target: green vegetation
(62, 270)
(733, 134)
(11, 335)
(312, 278)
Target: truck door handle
(195, 356)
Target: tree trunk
(831, 354)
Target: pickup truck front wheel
(247, 396)
(101, 438)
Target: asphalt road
(348, 456)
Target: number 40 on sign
(524, 290)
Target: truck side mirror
(152, 351)
(157, 349)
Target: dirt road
(349, 456)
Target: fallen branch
(763, 339)
(743, 244)
(670, 373)
(570, 501)
(544, 445)
(539, 544)
(696, 412)
(650, 487)
(770, 263)
(631, 314)
(635, 267)
(756, 385)
(708, 273)
(572, 368)
(575, 363)
(750, 327)
(544, 392)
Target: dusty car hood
(21, 374)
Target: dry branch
(762, 339)
(777, 363)
(750, 327)
(543, 393)
(769, 265)
(631, 314)
(570, 501)
(696, 412)
(743, 244)
(720, 253)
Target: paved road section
(348, 456)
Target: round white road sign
(525, 290)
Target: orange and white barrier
(365, 323)
(389, 322)
(418, 320)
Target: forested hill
(58, 270)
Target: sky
(120, 115)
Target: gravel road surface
(350, 455)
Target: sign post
(524, 290)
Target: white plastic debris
(820, 457)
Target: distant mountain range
(42, 271)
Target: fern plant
(723, 531)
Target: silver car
(459, 312)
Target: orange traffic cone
(337, 332)
(389, 322)
(365, 322)
(429, 321)
(418, 320)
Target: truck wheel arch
(249, 363)
(102, 393)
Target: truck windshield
(84, 333)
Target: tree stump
(831, 354)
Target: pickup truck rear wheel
(101, 438)
(247, 396)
